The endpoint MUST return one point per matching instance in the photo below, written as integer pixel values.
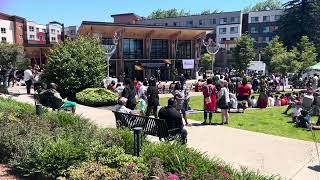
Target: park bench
(150, 126)
(48, 100)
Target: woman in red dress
(209, 96)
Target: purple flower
(172, 177)
(226, 175)
(132, 165)
(139, 175)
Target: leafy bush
(97, 97)
(75, 66)
(92, 171)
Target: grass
(268, 121)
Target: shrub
(75, 66)
(93, 171)
(97, 97)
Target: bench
(150, 126)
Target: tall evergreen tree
(301, 18)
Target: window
(184, 49)
(222, 30)
(31, 28)
(254, 30)
(254, 19)
(53, 31)
(276, 27)
(223, 21)
(266, 18)
(200, 22)
(176, 24)
(254, 39)
(21, 27)
(37, 30)
(3, 39)
(266, 29)
(72, 32)
(266, 39)
(233, 39)
(3, 30)
(212, 21)
(44, 30)
(277, 17)
(53, 38)
(21, 36)
(189, 23)
(58, 31)
(235, 20)
(159, 49)
(233, 30)
(133, 48)
(222, 40)
(32, 37)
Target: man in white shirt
(122, 106)
(315, 81)
(28, 77)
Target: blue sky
(73, 12)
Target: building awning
(139, 31)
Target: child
(253, 102)
(277, 101)
(296, 111)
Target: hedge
(96, 97)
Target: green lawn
(268, 121)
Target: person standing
(224, 101)
(28, 78)
(179, 96)
(142, 97)
(129, 92)
(12, 75)
(209, 103)
(315, 80)
(153, 98)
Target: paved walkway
(288, 158)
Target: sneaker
(204, 123)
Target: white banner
(188, 63)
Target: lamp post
(212, 48)
(62, 32)
(109, 49)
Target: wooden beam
(200, 36)
(175, 35)
(149, 34)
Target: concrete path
(288, 158)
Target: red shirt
(244, 90)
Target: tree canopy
(264, 5)
(208, 11)
(301, 18)
(13, 54)
(244, 52)
(167, 13)
(275, 47)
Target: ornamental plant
(75, 66)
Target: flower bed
(96, 97)
(62, 145)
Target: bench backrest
(150, 126)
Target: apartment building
(71, 32)
(36, 33)
(11, 29)
(262, 26)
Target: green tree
(243, 53)
(274, 47)
(285, 63)
(205, 61)
(301, 18)
(208, 11)
(264, 5)
(167, 13)
(306, 53)
(75, 66)
(10, 53)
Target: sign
(188, 63)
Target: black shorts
(243, 98)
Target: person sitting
(284, 100)
(233, 101)
(277, 101)
(112, 86)
(57, 101)
(304, 120)
(122, 106)
(296, 112)
(253, 102)
(270, 101)
(173, 119)
(307, 100)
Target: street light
(212, 48)
(62, 32)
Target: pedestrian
(153, 98)
(209, 95)
(129, 92)
(28, 78)
(179, 97)
(12, 75)
(223, 101)
(142, 94)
